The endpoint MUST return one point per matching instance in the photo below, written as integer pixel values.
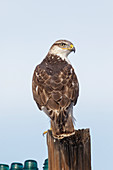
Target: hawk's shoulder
(53, 64)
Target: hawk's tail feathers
(62, 124)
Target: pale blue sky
(27, 30)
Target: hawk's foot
(46, 131)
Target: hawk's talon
(46, 131)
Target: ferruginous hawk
(55, 88)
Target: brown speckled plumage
(55, 90)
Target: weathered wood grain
(70, 153)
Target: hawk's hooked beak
(72, 48)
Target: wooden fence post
(69, 153)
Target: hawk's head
(62, 48)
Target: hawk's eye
(63, 44)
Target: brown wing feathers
(55, 92)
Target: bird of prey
(56, 89)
